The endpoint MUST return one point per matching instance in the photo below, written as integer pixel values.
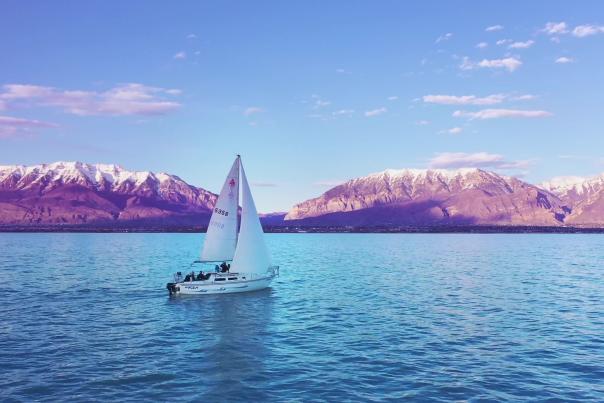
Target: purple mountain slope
(433, 197)
(585, 195)
(79, 193)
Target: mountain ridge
(584, 194)
(80, 193)
(470, 196)
(77, 193)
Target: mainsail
(251, 255)
(221, 237)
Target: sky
(309, 93)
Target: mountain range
(76, 193)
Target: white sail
(221, 237)
(251, 255)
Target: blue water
(353, 317)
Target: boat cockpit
(216, 271)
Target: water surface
(370, 317)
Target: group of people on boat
(200, 277)
(223, 268)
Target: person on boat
(217, 269)
(224, 268)
(187, 277)
(200, 276)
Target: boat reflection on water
(232, 341)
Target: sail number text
(221, 212)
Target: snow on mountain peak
(445, 173)
(466, 177)
(563, 183)
(79, 172)
(578, 184)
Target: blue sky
(310, 93)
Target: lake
(353, 317)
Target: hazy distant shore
(484, 229)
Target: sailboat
(234, 257)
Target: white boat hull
(223, 284)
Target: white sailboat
(231, 260)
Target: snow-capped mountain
(568, 186)
(433, 196)
(585, 195)
(78, 193)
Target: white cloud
(482, 45)
(502, 42)
(521, 45)
(343, 112)
(19, 122)
(474, 100)
(10, 126)
(444, 37)
(422, 122)
(252, 110)
(124, 99)
(493, 28)
(509, 63)
(319, 103)
(455, 130)
(502, 113)
(24, 91)
(191, 36)
(180, 55)
(343, 71)
(555, 28)
(564, 60)
(392, 98)
(524, 97)
(474, 160)
(581, 31)
(464, 99)
(376, 112)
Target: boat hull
(210, 287)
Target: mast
(221, 236)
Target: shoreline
(477, 229)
